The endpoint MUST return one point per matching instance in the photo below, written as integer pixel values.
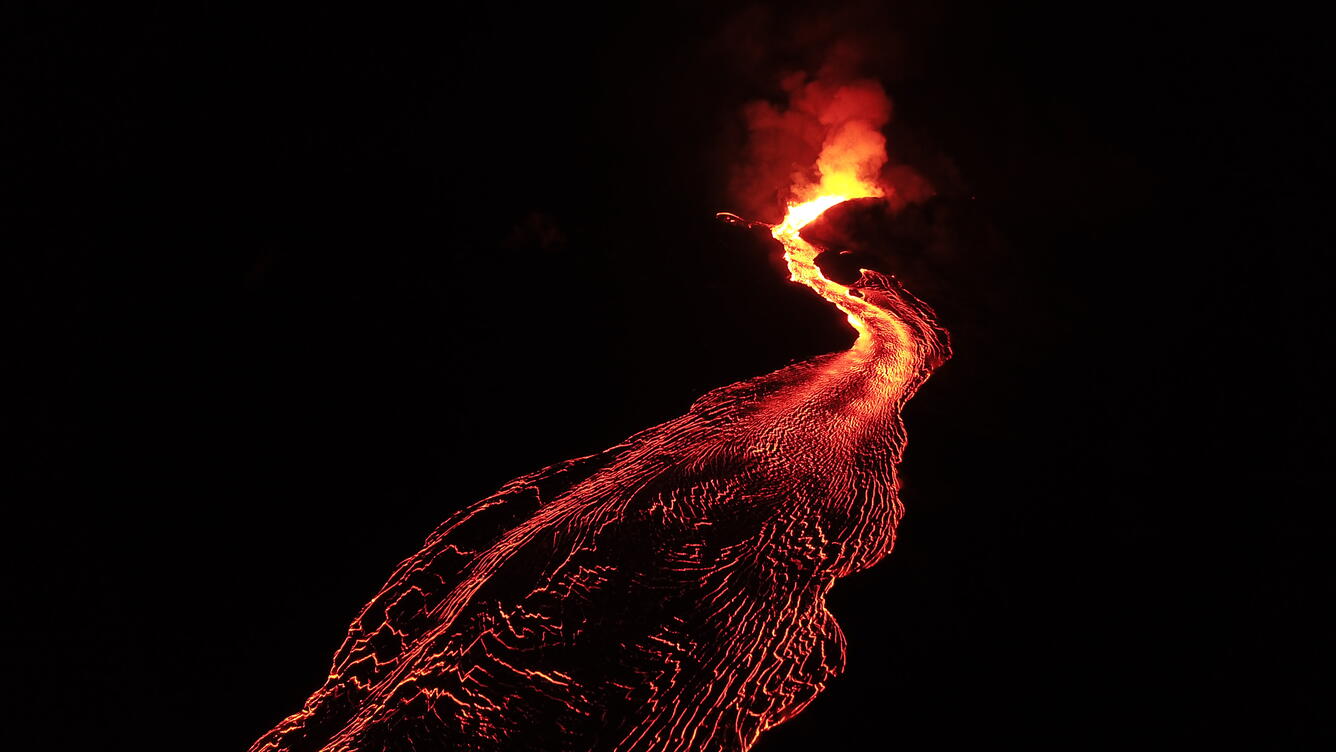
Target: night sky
(305, 282)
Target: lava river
(667, 593)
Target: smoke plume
(826, 139)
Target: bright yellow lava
(800, 215)
(800, 257)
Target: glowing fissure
(667, 593)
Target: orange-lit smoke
(825, 146)
(853, 150)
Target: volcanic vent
(667, 593)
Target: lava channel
(667, 593)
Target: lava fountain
(667, 593)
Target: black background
(302, 282)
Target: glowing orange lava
(667, 593)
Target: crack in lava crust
(665, 594)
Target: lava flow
(667, 593)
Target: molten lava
(667, 593)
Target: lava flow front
(667, 593)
